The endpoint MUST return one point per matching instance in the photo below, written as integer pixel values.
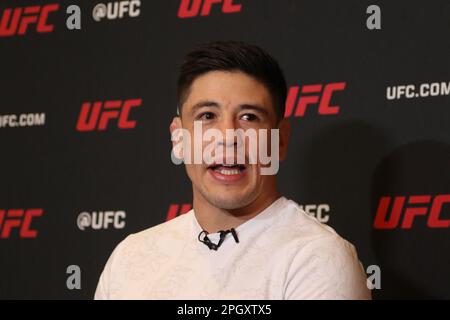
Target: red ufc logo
(96, 116)
(18, 218)
(412, 206)
(17, 21)
(311, 94)
(191, 8)
(177, 210)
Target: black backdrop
(344, 165)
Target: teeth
(228, 171)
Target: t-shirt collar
(264, 216)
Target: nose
(227, 123)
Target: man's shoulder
(177, 224)
(303, 227)
(142, 252)
(160, 234)
(304, 234)
(321, 258)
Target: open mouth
(228, 170)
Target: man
(242, 239)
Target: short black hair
(233, 56)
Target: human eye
(249, 117)
(205, 116)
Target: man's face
(228, 100)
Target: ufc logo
(116, 10)
(177, 210)
(16, 21)
(317, 211)
(312, 94)
(191, 8)
(20, 219)
(411, 207)
(97, 115)
(98, 220)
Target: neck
(213, 219)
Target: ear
(175, 124)
(177, 137)
(285, 132)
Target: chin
(230, 200)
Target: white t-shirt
(283, 253)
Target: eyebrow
(244, 106)
(254, 107)
(204, 103)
